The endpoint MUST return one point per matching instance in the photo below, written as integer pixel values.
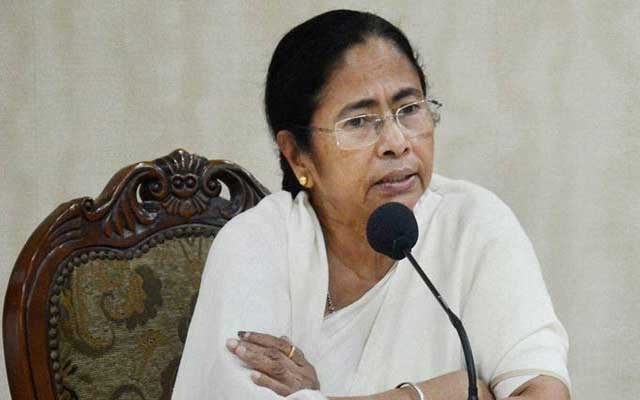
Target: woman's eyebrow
(356, 105)
(406, 92)
(367, 103)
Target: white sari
(267, 271)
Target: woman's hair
(303, 62)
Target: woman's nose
(392, 141)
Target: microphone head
(392, 229)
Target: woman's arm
(267, 355)
(285, 376)
(451, 386)
(239, 289)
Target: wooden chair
(100, 298)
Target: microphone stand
(464, 339)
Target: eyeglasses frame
(380, 119)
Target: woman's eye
(356, 122)
(409, 109)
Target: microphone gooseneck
(392, 230)
(457, 324)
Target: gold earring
(305, 182)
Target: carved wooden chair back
(100, 298)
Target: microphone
(392, 230)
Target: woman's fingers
(268, 360)
(280, 343)
(269, 355)
(266, 340)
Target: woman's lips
(397, 185)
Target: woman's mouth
(394, 184)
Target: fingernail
(255, 375)
(232, 344)
(243, 334)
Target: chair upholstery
(99, 301)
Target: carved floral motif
(180, 184)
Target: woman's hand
(277, 364)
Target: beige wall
(542, 107)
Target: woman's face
(350, 184)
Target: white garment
(267, 271)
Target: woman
(293, 300)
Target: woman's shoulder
(470, 205)
(254, 240)
(267, 220)
(465, 195)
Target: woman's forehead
(374, 69)
(374, 50)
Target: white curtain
(542, 106)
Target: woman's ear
(298, 160)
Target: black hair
(302, 63)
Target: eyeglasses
(413, 119)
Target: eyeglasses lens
(413, 119)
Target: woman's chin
(409, 200)
(406, 192)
